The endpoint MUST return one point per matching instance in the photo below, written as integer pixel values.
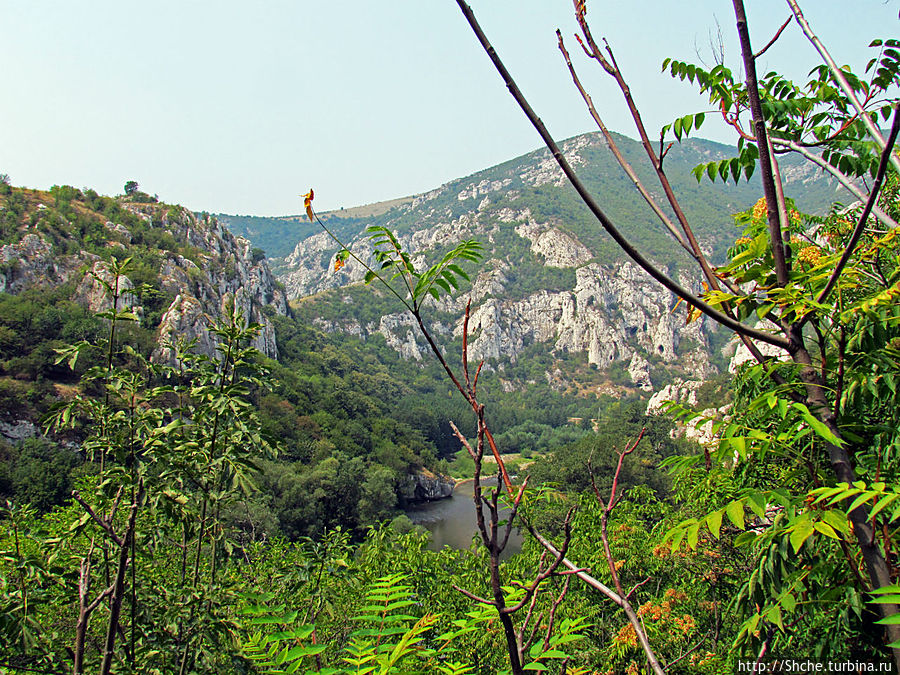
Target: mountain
(551, 276)
(355, 441)
(62, 241)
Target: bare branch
(551, 618)
(463, 440)
(102, 522)
(776, 238)
(840, 176)
(614, 148)
(774, 39)
(838, 76)
(873, 197)
(591, 203)
(472, 596)
(560, 556)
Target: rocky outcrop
(741, 355)
(32, 263)
(684, 392)
(18, 430)
(211, 270)
(425, 486)
(98, 287)
(557, 248)
(613, 314)
(222, 273)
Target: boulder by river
(427, 486)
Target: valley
(287, 435)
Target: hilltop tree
(131, 187)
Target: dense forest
(228, 495)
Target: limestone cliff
(609, 314)
(200, 266)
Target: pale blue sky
(239, 107)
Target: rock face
(612, 315)
(18, 430)
(31, 262)
(222, 270)
(227, 274)
(684, 392)
(425, 486)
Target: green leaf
(826, 529)
(802, 531)
(886, 600)
(735, 511)
(693, 535)
(714, 522)
(789, 602)
(774, 615)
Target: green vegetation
(227, 513)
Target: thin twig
(873, 197)
(599, 214)
(838, 76)
(772, 42)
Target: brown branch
(637, 586)
(513, 513)
(772, 42)
(472, 596)
(689, 651)
(546, 574)
(614, 148)
(104, 523)
(838, 76)
(873, 197)
(551, 618)
(837, 174)
(599, 214)
(612, 67)
(776, 239)
(462, 439)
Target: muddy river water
(452, 522)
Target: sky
(240, 107)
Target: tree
(131, 187)
(811, 288)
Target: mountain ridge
(550, 275)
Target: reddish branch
(867, 209)
(774, 39)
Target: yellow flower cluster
(662, 551)
(742, 241)
(626, 636)
(760, 208)
(811, 255)
(685, 624)
(675, 595)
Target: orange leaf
(307, 203)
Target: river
(452, 521)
